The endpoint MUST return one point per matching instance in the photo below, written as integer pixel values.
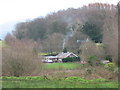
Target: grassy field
(63, 65)
(2, 43)
(69, 82)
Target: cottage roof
(64, 55)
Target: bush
(19, 58)
(91, 51)
(99, 80)
(65, 50)
(108, 57)
(89, 71)
(71, 59)
(92, 60)
(24, 78)
(110, 66)
(75, 79)
(82, 80)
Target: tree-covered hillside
(72, 24)
(72, 27)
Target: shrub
(89, 71)
(65, 50)
(110, 66)
(75, 79)
(71, 59)
(24, 78)
(91, 60)
(116, 70)
(89, 51)
(99, 80)
(19, 58)
(108, 57)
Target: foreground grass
(63, 66)
(69, 82)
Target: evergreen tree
(65, 50)
(93, 31)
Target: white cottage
(59, 57)
(62, 55)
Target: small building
(104, 61)
(62, 55)
(50, 59)
(59, 57)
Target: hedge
(71, 59)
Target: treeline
(91, 17)
(85, 22)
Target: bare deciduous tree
(19, 58)
(53, 43)
(9, 38)
(91, 49)
(110, 34)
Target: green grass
(69, 82)
(56, 84)
(2, 43)
(63, 65)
